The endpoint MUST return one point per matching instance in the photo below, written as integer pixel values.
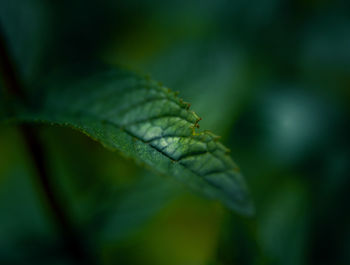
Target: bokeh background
(271, 77)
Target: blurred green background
(272, 77)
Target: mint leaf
(148, 122)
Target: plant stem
(73, 243)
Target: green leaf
(147, 122)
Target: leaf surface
(148, 122)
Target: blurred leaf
(149, 123)
(26, 25)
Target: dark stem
(73, 244)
